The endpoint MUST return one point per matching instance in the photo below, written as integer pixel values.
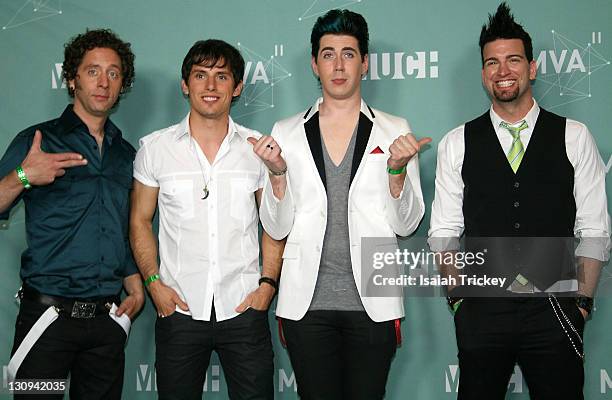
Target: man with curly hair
(74, 175)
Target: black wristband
(269, 281)
(585, 302)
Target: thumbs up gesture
(269, 151)
(403, 149)
(42, 168)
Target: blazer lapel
(313, 134)
(361, 142)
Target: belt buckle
(81, 309)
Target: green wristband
(396, 171)
(23, 178)
(456, 305)
(151, 279)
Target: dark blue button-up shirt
(76, 227)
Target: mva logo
(515, 385)
(146, 380)
(57, 82)
(606, 382)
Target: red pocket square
(377, 150)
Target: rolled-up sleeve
(447, 222)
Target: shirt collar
(365, 110)
(69, 121)
(531, 117)
(183, 130)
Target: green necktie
(515, 155)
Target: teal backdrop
(424, 66)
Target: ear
(365, 65)
(313, 64)
(238, 89)
(533, 70)
(72, 84)
(184, 87)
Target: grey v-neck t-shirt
(335, 288)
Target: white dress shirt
(592, 224)
(209, 247)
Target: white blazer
(372, 212)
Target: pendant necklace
(205, 191)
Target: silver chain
(580, 354)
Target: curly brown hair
(75, 50)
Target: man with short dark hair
(352, 174)
(522, 181)
(74, 176)
(208, 288)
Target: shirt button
(95, 147)
(516, 204)
(517, 184)
(517, 225)
(318, 249)
(103, 229)
(102, 258)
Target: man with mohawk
(519, 174)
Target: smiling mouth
(209, 99)
(506, 83)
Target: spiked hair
(502, 26)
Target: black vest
(521, 211)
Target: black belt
(74, 308)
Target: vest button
(517, 184)
(517, 225)
(516, 204)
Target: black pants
(494, 334)
(91, 350)
(184, 345)
(340, 354)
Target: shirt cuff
(129, 267)
(437, 244)
(597, 248)
(145, 181)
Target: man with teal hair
(351, 173)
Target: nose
(503, 68)
(211, 83)
(103, 80)
(339, 64)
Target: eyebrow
(99, 66)
(508, 56)
(201, 68)
(343, 49)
